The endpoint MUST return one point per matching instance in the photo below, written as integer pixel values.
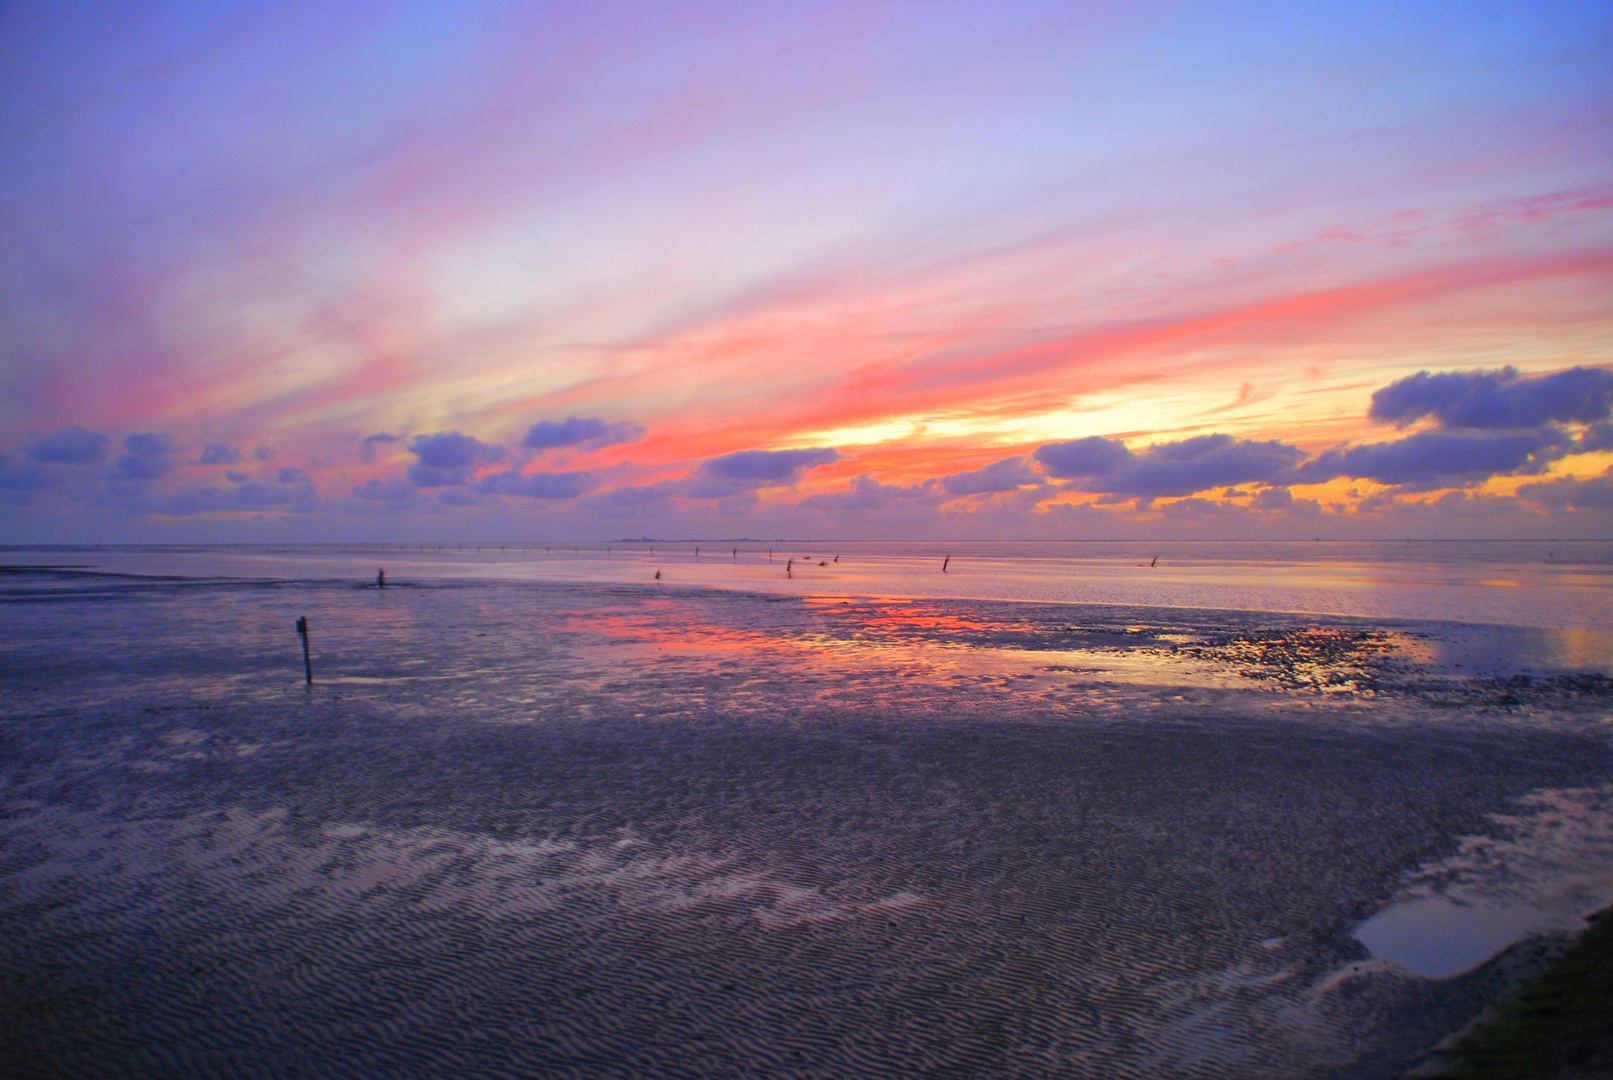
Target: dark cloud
(451, 450)
(1005, 477)
(1571, 493)
(1497, 399)
(431, 476)
(70, 446)
(1439, 458)
(747, 470)
(263, 453)
(288, 475)
(235, 477)
(148, 457)
(1208, 461)
(1092, 456)
(1505, 424)
(590, 433)
(219, 454)
(1273, 498)
(1107, 467)
(769, 466)
(541, 485)
(385, 490)
(448, 458)
(1197, 508)
(1010, 474)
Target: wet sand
(622, 831)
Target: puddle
(1543, 871)
(1437, 937)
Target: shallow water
(541, 816)
(1547, 585)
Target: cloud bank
(590, 433)
(449, 459)
(70, 445)
(1169, 469)
(1490, 400)
(1474, 427)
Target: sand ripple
(654, 834)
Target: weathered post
(307, 664)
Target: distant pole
(944, 563)
(380, 579)
(307, 664)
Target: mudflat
(598, 829)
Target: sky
(487, 271)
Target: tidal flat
(611, 828)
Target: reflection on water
(1547, 584)
(1520, 648)
(1436, 937)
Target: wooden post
(307, 664)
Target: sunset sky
(282, 271)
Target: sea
(749, 808)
